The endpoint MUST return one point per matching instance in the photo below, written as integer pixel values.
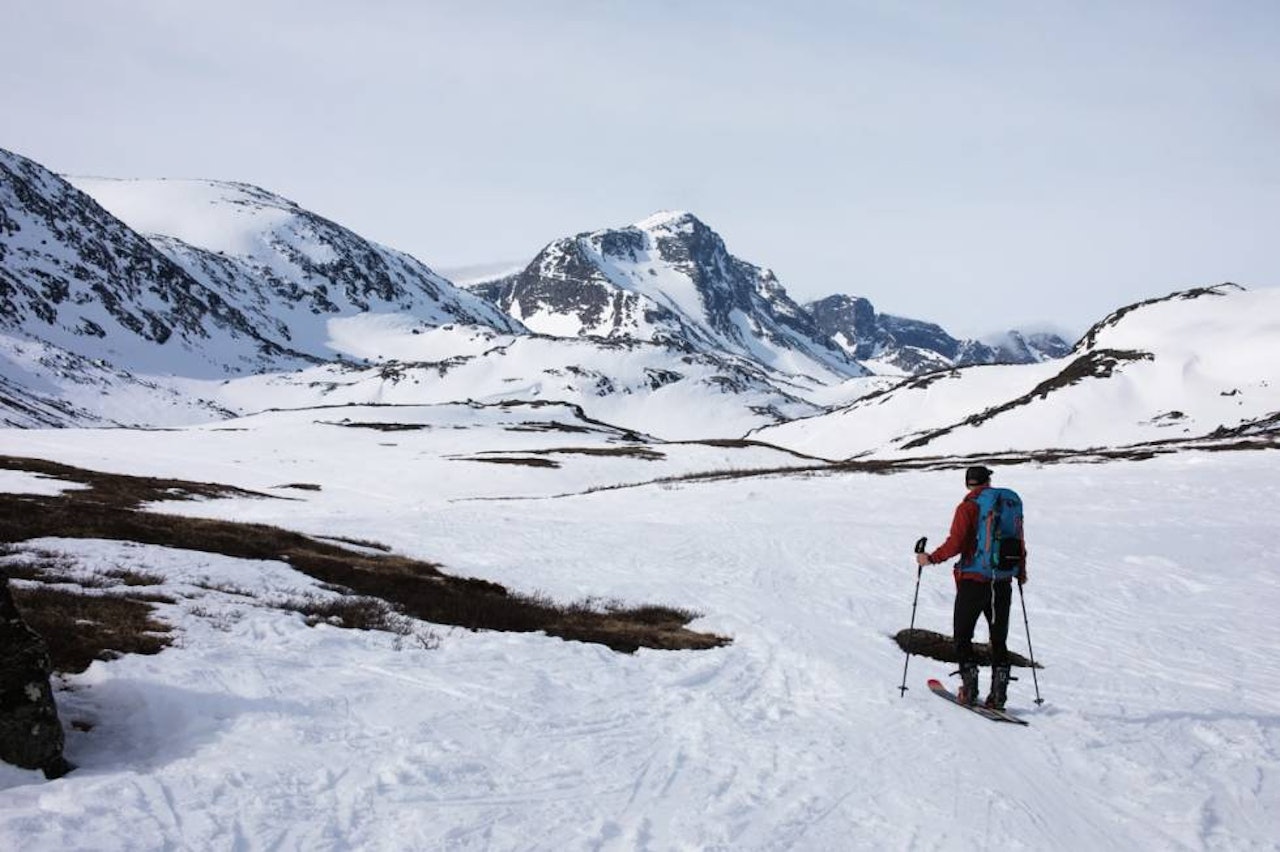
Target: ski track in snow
(1150, 603)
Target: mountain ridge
(206, 299)
(1194, 363)
(667, 278)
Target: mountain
(914, 346)
(76, 278)
(175, 302)
(1195, 364)
(668, 279)
(145, 312)
(228, 279)
(288, 269)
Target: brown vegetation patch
(412, 587)
(123, 491)
(642, 453)
(383, 427)
(549, 426)
(526, 461)
(80, 628)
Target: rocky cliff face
(920, 347)
(670, 279)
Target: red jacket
(963, 539)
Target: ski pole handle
(902, 690)
(920, 549)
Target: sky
(980, 165)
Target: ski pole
(911, 633)
(1030, 650)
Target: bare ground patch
(109, 509)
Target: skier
(977, 593)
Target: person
(976, 594)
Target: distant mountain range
(913, 346)
(670, 278)
(1197, 364)
(165, 302)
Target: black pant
(974, 598)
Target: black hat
(977, 475)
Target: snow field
(1150, 603)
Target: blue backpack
(1000, 553)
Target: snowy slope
(647, 387)
(287, 268)
(1158, 731)
(668, 278)
(75, 277)
(1184, 366)
(42, 385)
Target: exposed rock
(30, 733)
(936, 646)
(669, 279)
(920, 347)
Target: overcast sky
(979, 164)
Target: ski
(936, 687)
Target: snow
(1194, 365)
(548, 322)
(614, 382)
(212, 215)
(21, 482)
(404, 337)
(1151, 600)
(655, 278)
(288, 269)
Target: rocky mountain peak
(916, 346)
(668, 278)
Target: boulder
(937, 646)
(30, 732)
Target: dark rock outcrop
(936, 646)
(30, 733)
(671, 280)
(917, 346)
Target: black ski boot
(999, 687)
(968, 692)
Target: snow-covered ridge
(289, 268)
(75, 277)
(1187, 365)
(234, 218)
